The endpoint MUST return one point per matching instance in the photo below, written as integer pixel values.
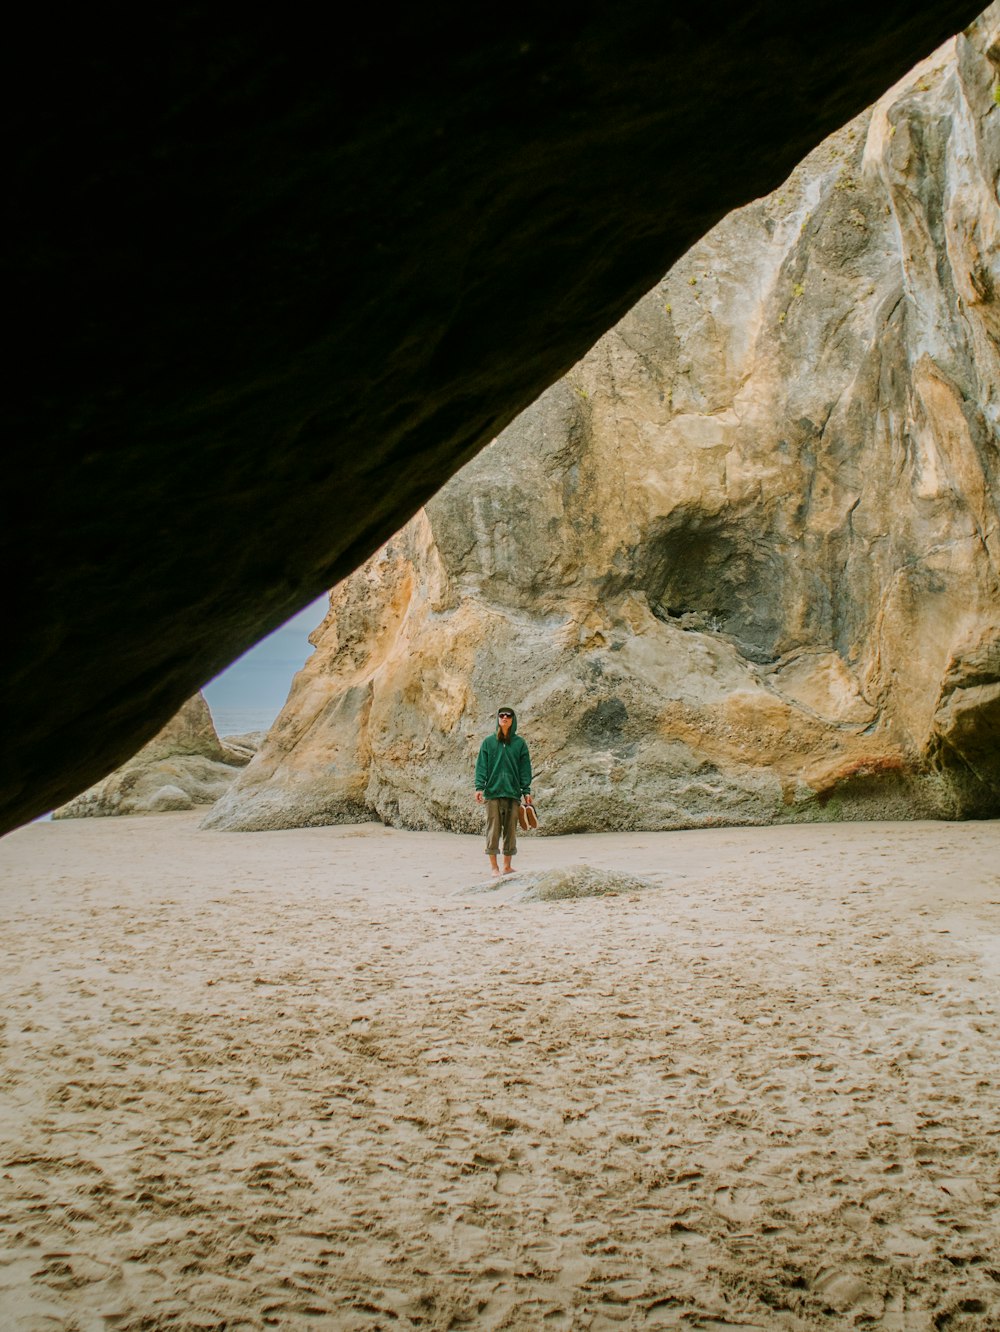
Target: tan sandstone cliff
(185, 764)
(743, 563)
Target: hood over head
(505, 707)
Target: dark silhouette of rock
(267, 290)
(742, 564)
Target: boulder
(242, 747)
(185, 764)
(168, 799)
(741, 564)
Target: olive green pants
(501, 818)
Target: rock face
(184, 765)
(259, 278)
(742, 564)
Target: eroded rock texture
(267, 291)
(185, 764)
(743, 562)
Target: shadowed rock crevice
(268, 292)
(690, 551)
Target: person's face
(504, 719)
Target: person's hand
(527, 799)
(479, 797)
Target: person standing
(503, 776)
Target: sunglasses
(505, 714)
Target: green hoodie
(503, 771)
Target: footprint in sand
(508, 1182)
(842, 1289)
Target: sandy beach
(323, 1079)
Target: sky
(250, 693)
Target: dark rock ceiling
(269, 287)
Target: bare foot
(509, 869)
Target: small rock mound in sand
(581, 881)
(167, 799)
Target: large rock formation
(743, 562)
(185, 764)
(267, 290)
